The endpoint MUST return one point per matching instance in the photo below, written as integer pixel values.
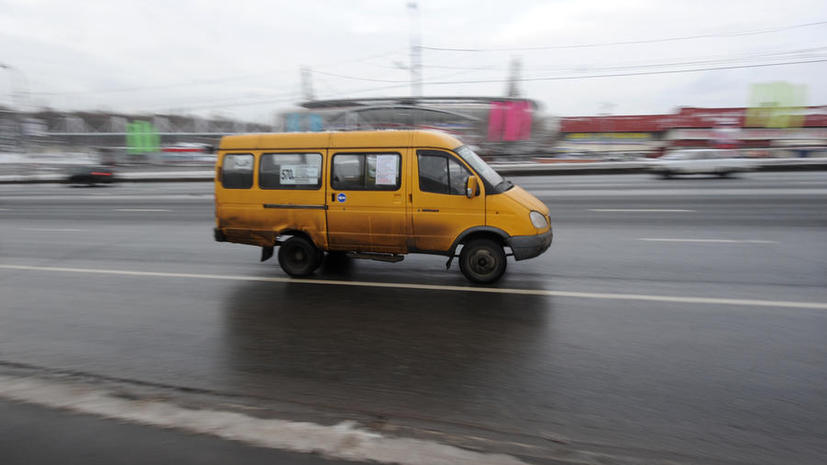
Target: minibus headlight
(538, 220)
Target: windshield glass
(481, 167)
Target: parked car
(701, 161)
(91, 175)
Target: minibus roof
(343, 139)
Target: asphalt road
(623, 357)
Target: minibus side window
(457, 177)
(237, 171)
(440, 173)
(366, 171)
(290, 171)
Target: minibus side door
(366, 201)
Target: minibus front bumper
(525, 247)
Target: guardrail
(509, 169)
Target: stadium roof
(411, 101)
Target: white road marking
(70, 197)
(722, 241)
(699, 192)
(643, 210)
(342, 441)
(5, 209)
(142, 210)
(435, 287)
(53, 229)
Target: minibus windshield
(488, 174)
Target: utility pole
(513, 87)
(307, 83)
(608, 127)
(416, 51)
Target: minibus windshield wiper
(504, 186)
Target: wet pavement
(688, 382)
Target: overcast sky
(242, 59)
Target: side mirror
(472, 187)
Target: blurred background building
(115, 135)
(495, 126)
(801, 132)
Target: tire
(482, 261)
(319, 258)
(298, 256)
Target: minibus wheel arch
(293, 232)
(300, 233)
(479, 232)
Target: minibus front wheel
(299, 257)
(482, 261)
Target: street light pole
(416, 52)
(18, 95)
(18, 92)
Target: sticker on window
(298, 174)
(386, 170)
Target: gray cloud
(242, 58)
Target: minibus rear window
(290, 171)
(237, 171)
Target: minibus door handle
(333, 197)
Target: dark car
(91, 175)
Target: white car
(701, 161)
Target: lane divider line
(687, 192)
(142, 210)
(12, 198)
(54, 229)
(641, 210)
(435, 287)
(722, 241)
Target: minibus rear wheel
(482, 261)
(298, 256)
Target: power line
(402, 84)
(356, 78)
(715, 59)
(209, 81)
(154, 87)
(232, 105)
(642, 73)
(392, 81)
(630, 42)
(799, 54)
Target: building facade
(757, 131)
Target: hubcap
(483, 262)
